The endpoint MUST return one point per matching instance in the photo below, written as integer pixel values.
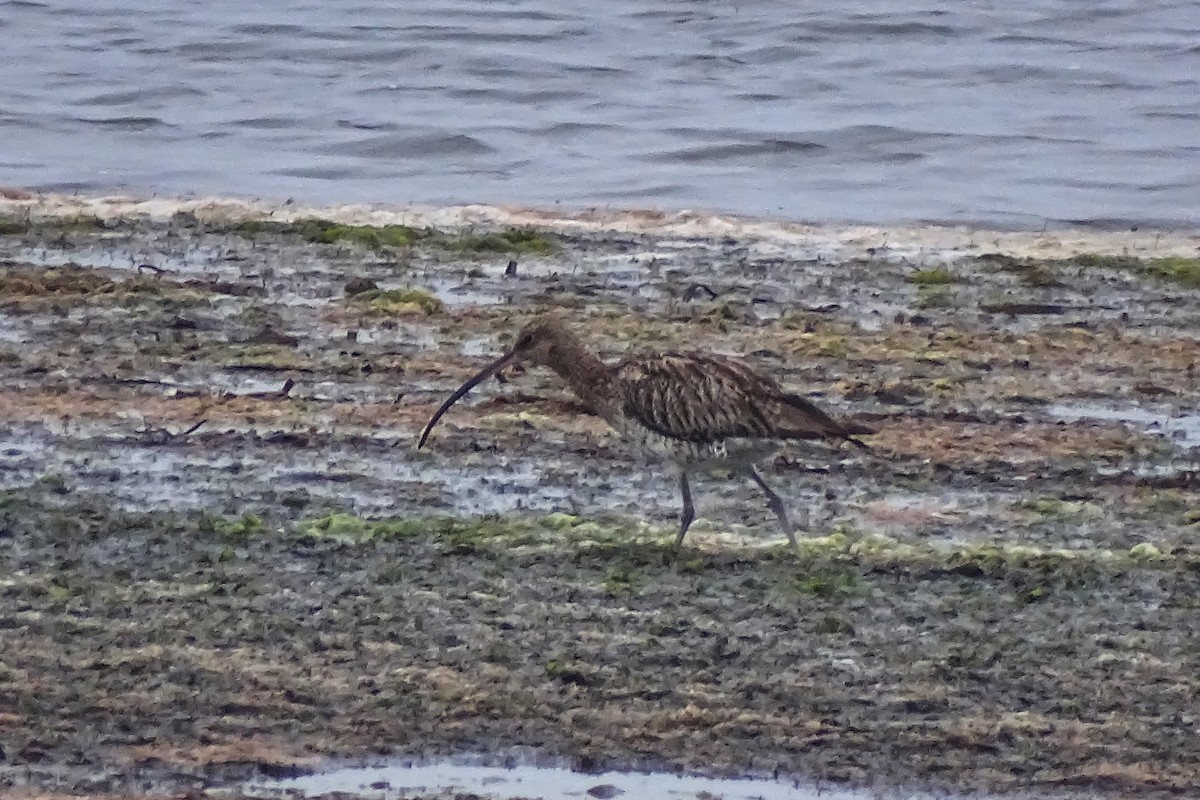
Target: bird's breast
(716, 454)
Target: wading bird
(698, 411)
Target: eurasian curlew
(695, 410)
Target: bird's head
(537, 343)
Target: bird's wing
(703, 398)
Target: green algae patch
(398, 302)
(384, 237)
(274, 357)
(1033, 274)
(323, 231)
(349, 529)
(1058, 507)
(827, 581)
(628, 553)
(880, 553)
(1180, 270)
(621, 580)
(1146, 551)
(1170, 507)
(10, 226)
(931, 277)
(472, 534)
(466, 533)
(1183, 271)
(237, 530)
(1040, 273)
(510, 240)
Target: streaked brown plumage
(696, 410)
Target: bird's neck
(584, 372)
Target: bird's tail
(853, 428)
(801, 419)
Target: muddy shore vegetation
(222, 557)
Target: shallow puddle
(1184, 428)
(456, 293)
(373, 478)
(450, 778)
(122, 254)
(11, 332)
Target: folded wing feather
(705, 398)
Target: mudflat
(221, 557)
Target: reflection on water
(548, 783)
(1184, 428)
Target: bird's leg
(775, 504)
(688, 513)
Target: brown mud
(221, 558)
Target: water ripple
(392, 146)
(126, 123)
(1015, 113)
(735, 151)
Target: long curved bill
(484, 374)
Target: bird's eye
(525, 341)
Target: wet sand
(223, 559)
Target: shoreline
(835, 240)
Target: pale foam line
(916, 242)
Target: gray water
(1015, 112)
